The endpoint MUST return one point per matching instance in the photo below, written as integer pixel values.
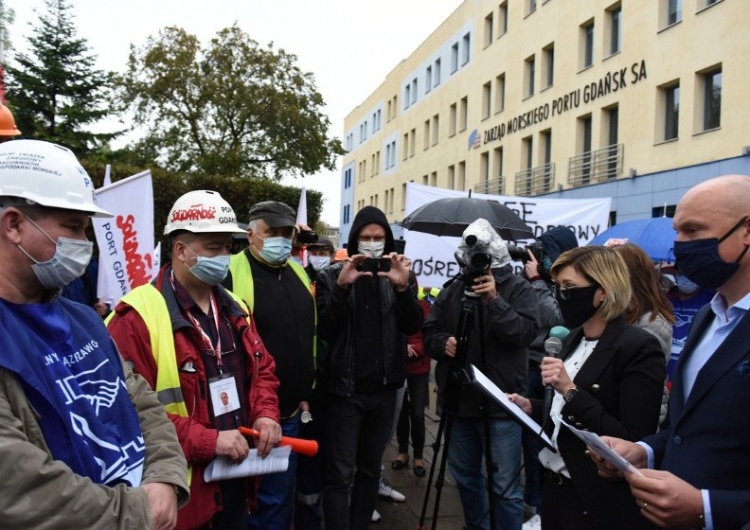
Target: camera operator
(538, 260)
(506, 323)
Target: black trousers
(356, 432)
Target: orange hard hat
(7, 122)
(340, 255)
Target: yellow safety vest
(244, 287)
(149, 303)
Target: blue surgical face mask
(69, 262)
(210, 270)
(276, 250)
(685, 286)
(700, 260)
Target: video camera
(307, 237)
(475, 261)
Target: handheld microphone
(552, 347)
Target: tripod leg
(440, 481)
(444, 426)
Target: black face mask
(576, 304)
(700, 261)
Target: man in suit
(696, 472)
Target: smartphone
(375, 265)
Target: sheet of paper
(602, 449)
(277, 461)
(491, 389)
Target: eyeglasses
(564, 293)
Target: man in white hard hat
(84, 443)
(192, 340)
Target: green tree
(232, 108)
(55, 91)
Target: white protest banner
(126, 241)
(433, 258)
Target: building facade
(637, 100)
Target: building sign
(611, 82)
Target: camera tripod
(457, 376)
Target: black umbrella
(451, 216)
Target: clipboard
(491, 390)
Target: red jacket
(195, 433)
(420, 364)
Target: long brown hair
(647, 297)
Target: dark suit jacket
(707, 442)
(620, 390)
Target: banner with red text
(125, 241)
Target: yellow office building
(636, 100)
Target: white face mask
(319, 262)
(371, 249)
(71, 258)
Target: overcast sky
(348, 45)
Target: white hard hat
(46, 174)
(202, 211)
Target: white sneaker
(384, 490)
(376, 517)
(535, 523)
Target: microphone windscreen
(559, 332)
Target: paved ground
(406, 515)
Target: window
(466, 49)
(407, 95)
(348, 178)
(497, 161)
(413, 145)
(674, 11)
(529, 66)
(486, 100)
(500, 93)
(414, 91)
(403, 196)
(425, 180)
(613, 122)
(671, 111)
(435, 129)
(346, 213)
(388, 156)
(615, 30)
(530, 6)
(484, 168)
(426, 139)
(390, 203)
(712, 99)
(488, 27)
(584, 128)
(549, 65)
(428, 79)
(464, 114)
(452, 120)
(545, 137)
(393, 154)
(395, 107)
(502, 19)
(388, 111)
(437, 72)
(406, 146)
(587, 44)
(433, 179)
(461, 176)
(454, 58)
(451, 177)
(373, 169)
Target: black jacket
(337, 311)
(510, 323)
(619, 394)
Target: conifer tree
(55, 91)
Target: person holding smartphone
(365, 317)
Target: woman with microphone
(608, 379)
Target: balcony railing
(535, 180)
(491, 186)
(596, 166)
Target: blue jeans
(276, 492)
(357, 430)
(465, 461)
